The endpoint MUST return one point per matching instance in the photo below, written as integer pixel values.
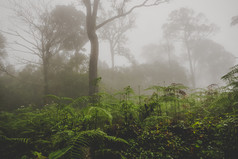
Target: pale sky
(150, 20)
(219, 12)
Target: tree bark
(46, 55)
(190, 65)
(168, 49)
(112, 54)
(91, 17)
(93, 87)
(93, 38)
(46, 79)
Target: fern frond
(108, 153)
(231, 75)
(16, 140)
(155, 87)
(156, 118)
(59, 153)
(59, 100)
(87, 141)
(114, 142)
(102, 112)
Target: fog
(148, 31)
(118, 79)
(155, 49)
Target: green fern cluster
(169, 122)
(91, 143)
(15, 140)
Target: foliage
(68, 78)
(168, 122)
(193, 30)
(91, 143)
(162, 121)
(231, 77)
(143, 75)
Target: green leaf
(199, 142)
(59, 153)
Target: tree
(212, 60)
(157, 53)
(153, 72)
(234, 20)
(47, 32)
(121, 9)
(2, 52)
(71, 24)
(167, 43)
(166, 67)
(69, 76)
(185, 25)
(114, 34)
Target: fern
(60, 100)
(231, 75)
(89, 142)
(81, 102)
(15, 140)
(154, 120)
(59, 153)
(108, 153)
(102, 112)
(232, 78)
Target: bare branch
(234, 20)
(4, 69)
(143, 4)
(30, 62)
(26, 47)
(17, 50)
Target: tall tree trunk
(112, 54)
(168, 47)
(46, 79)
(190, 65)
(112, 47)
(93, 87)
(91, 17)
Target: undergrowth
(171, 123)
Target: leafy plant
(91, 143)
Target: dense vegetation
(172, 122)
(45, 111)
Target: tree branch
(26, 47)
(143, 4)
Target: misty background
(152, 50)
